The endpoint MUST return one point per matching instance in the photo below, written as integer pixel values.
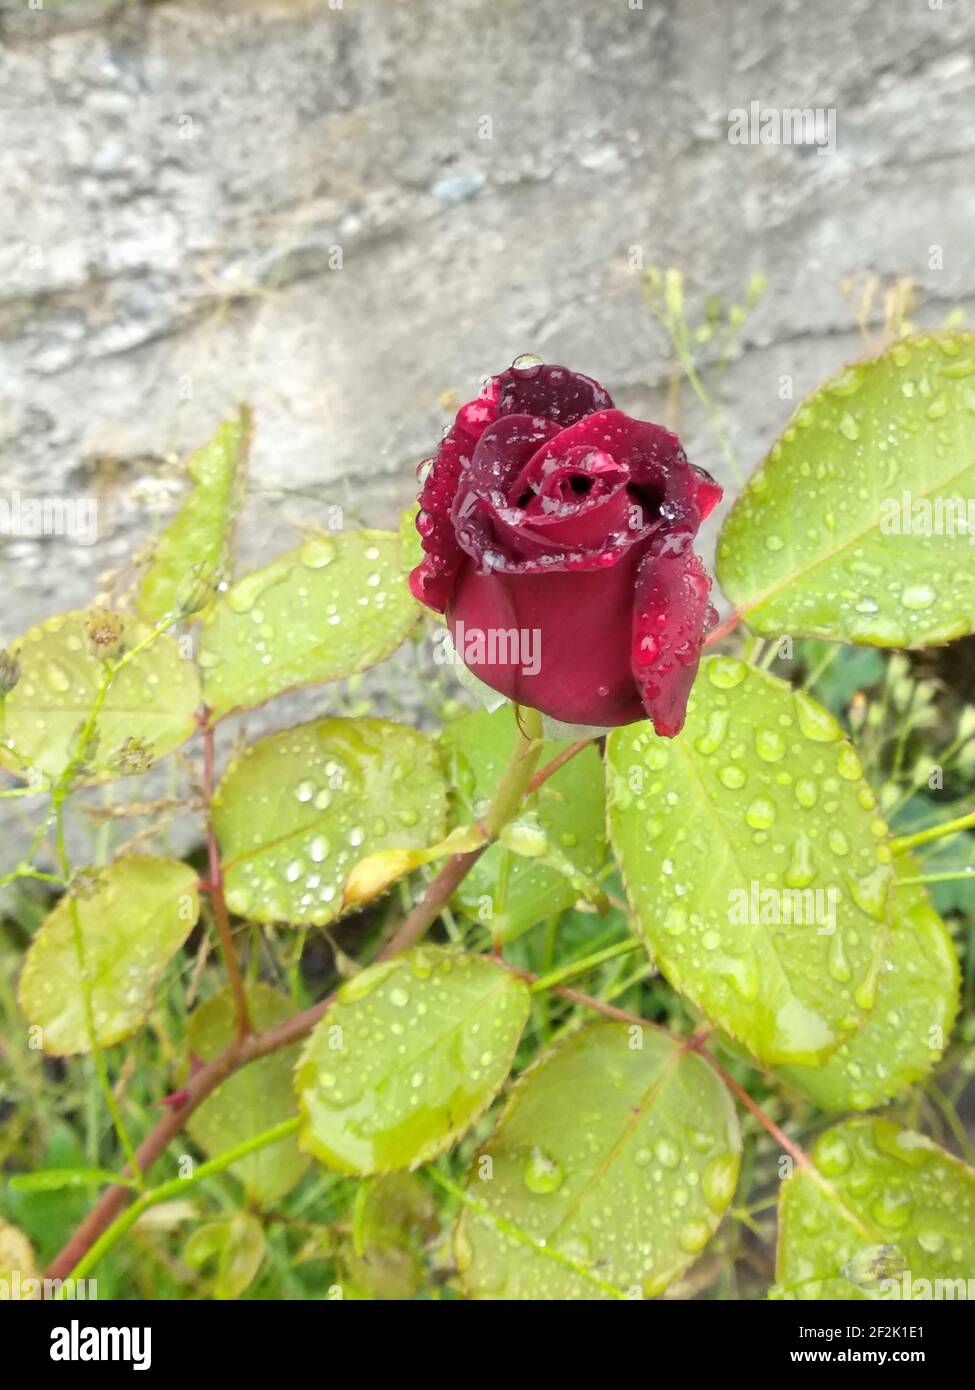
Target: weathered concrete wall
(175, 178)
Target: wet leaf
(755, 861)
(890, 1209)
(238, 1245)
(856, 526)
(299, 809)
(610, 1169)
(506, 892)
(150, 708)
(335, 606)
(406, 1059)
(134, 916)
(383, 1256)
(194, 553)
(254, 1099)
(906, 1034)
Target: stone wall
(179, 182)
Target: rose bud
(558, 538)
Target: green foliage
(364, 1115)
(906, 1032)
(299, 809)
(251, 1100)
(505, 891)
(406, 1059)
(110, 937)
(614, 1160)
(149, 707)
(816, 543)
(193, 556)
(884, 1204)
(333, 607)
(754, 901)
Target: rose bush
(547, 511)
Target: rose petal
(551, 391)
(576, 626)
(431, 580)
(670, 618)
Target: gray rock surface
(347, 212)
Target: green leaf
(756, 818)
(886, 1204)
(150, 708)
(299, 809)
(503, 890)
(335, 606)
(54, 1179)
(407, 1057)
(254, 1099)
(815, 544)
(193, 555)
(611, 1167)
(238, 1245)
(394, 1217)
(917, 1001)
(411, 548)
(134, 915)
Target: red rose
(558, 535)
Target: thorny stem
(215, 884)
(252, 1046)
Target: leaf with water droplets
(194, 553)
(917, 1001)
(611, 1167)
(507, 892)
(860, 524)
(133, 917)
(887, 1213)
(407, 1058)
(149, 710)
(335, 606)
(254, 1099)
(755, 861)
(298, 810)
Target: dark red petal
(670, 618)
(551, 391)
(480, 509)
(431, 580)
(707, 491)
(576, 626)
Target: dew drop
(542, 1174)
